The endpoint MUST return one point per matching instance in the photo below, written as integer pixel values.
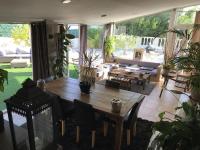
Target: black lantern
(36, 107)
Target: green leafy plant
(188, 59)
(3, 78)
(109, 46)
(182, 133)
(87, 71)
(60, 66)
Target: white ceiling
(84, 11)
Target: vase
(116, 105)
(85, 87)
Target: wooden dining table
(100, 98)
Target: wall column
(83, 42)
(196, 33)
(171, 37)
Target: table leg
(118, 134)
(143, 84)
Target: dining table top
(100, 96)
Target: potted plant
(190, 61)
(3, 78)
(109, 47)
(187, 58)
(60, 65)
(182, 133)
(87, 72)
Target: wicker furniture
(126, 76)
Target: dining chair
(84, 118)
(67, 110)
(129, 122)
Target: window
(185, 18)
(186, 15)
(140, 33)
(75, 44)
(74, 51)
(95, 40)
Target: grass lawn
(17, 75)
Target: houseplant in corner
(181, 133)
(87, 72)
(190, 61)
(187, 58)
(61, 61)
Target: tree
(5, 29)
(21, 34)
(125, 42)
(146, 26)
(94, 37)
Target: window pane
(139, 33)
(95, 41)
(187, 15)
(74, 51)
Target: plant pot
(195, 94)
(116, 105)
(85, 87)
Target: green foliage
(190, 60)
(146, 26)
(94, 37)
(3, 78)
(185, 19)
(5, 29)
(182, 133)
(109, 45)
(21, 34)
(125, 41)
(60, 66)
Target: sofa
(7, 54)
(153, 68)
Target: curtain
(83, 42)
(39, 50)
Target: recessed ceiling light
(66, 1)
(104, 15)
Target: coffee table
(129, 75)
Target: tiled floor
(153, 105)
